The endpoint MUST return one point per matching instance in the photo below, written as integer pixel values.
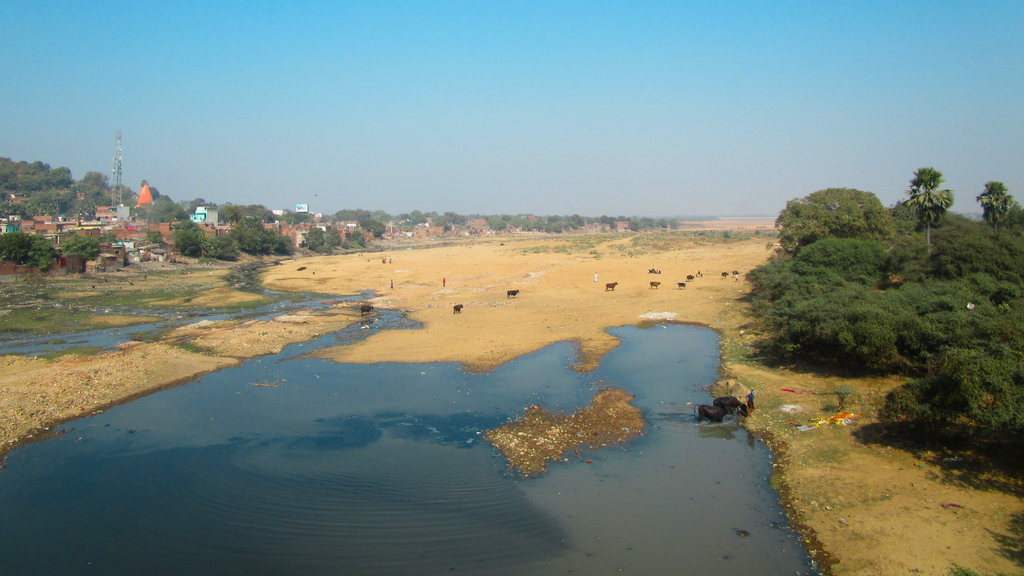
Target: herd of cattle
(609, 287)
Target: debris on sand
(540, 437)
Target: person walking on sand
(595, 276)
(444, 282)
(392, 284)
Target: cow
(689, 278)
(610, 286)
(731, 403)
(511, 293)
(680, 285)
(655, 284)
(653, 271)
(365, 308)
(457, 309)
(710, 412)
(725, 274)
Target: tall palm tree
(929, 202)
(995, 203)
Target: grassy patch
(535, 250)
(44, 321)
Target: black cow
(457, 309)
(365, 308)
(710, 412)
(731, 403)
(681, 284)
(689, 278)
(725, 274)
(610, 286)
(511, 293)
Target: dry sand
(867, 508)
(558, 298)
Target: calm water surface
(379, 469)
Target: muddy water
(355, 469)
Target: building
(205, 215)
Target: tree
(189, 239)
(26, 249)
(154, 237)
(315, 239)
(928, 201)
(222, 248)
(252, 238)
(41, 253)
(373, 227)
(833, 213)
(358, 239)
(15, 247)
(995, 203)
(85, 246)
(331, 238)
(166, 210)
(59, 177)
(232, 213)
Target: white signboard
(303, 208)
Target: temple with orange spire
(145, 197)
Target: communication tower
(117, 166)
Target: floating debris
(540, 437)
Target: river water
(329, 468)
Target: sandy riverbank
(874, 509)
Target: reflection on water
(379, 469)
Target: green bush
(85, 246)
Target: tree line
(910, 289)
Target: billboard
(302, 208)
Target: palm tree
(995, 203)
(929, 202)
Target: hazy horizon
(546, 108)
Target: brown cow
(365, 308)
(655, 284)
(610, 286)
(457, 309)
(689, 278)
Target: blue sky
(638, 108)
